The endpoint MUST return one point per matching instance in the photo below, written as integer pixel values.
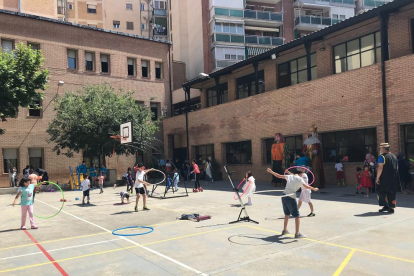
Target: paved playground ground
(346, 237)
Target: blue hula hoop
(130, 227)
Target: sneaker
(384, 209)
(391, 211)
(23, 228)
(136, 209)
(195, 191)
(146, 208)
(285, 232)
(34, 227)
(299, 236)
(200, 189)
(311, 215)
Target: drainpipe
(169, 73)
(187, 107)
(20, 6)
(384, 18)
(218, 92)
(308, 45)
(256, 76)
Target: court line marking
(338, 245)
(344, 263)
(82, 236)
(58, 249)
(133, 242)
(50, 258)
(120, 249)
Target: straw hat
(384, 145)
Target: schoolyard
(346, 237)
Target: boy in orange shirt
(101, 179)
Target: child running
(250, 185)
(130, 182)
(358, 177)
(196, 172)
(139, 187)
(366, 180)
(290, 206)
(26, 203)
(340, 176)
(305, 194)
(101, 179)
(86, 185)
(124, 194)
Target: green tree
(21, 80)
(85, 120)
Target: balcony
(251, 17)
(313, 23)
(160, 12)
(247, 39)
(324, 3)
(365, 5)
(221, 63)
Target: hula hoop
(63, 201)
(234, 196)
(130, 227)
(313, 176)
(165, 177)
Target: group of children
(363, 178)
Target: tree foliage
(85, 120)
(21, 80)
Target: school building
(354, 80)
(78, 55)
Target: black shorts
(140, 190)
(86, 193)
(290, 206)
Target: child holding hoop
(27, 193)
(305, 194)
(290, 206)
(250, 185)
(139, 187)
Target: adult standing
(312, 146)
(387, 179)
(372, 164)
(404, 172)
(279, 153)
(26, 172)
(12, 175)
(103, 170)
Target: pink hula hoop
(234, 196)
(301, 167)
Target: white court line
(58, 249)
(131, 241)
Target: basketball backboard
(126, 133)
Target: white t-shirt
(85, 184)
(294, 183)
(139, 176)
(339, 167)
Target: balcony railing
(350, 2)
(160, 12)
(249, 14)
(221, 63)
(315, 20)
(248, 39)
(374, 3)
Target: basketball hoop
(118, 137)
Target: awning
(261, 29)
(254, 51)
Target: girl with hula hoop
(249, 187)
(27, 193)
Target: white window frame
(12, 45)
(91, 7)
(92, 55)
(116, 26)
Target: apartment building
(77, 56)
(353, 80)
(148, 18)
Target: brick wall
(178, 74)
(54, 40)
(333, 102)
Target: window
(60, 7)
(408, 140)
(36, 157)
(131, 66)
(195, 104)
(204, 153)
(70, 6)
(357, 53)
(212, 95)
(129, 6)
(160, 5)
(294, 144)
(144, 68)
(239, 153)
(10, 159)
(295, 71)
(34, 46)
(116, 24)
(104, 63)
(412, 33)
(72, 59)
(89, 61)
(228, 28)
(246, 86)
(35, 109)
(143, 26)
(142, 7)
(158, 70)
(7, 45)
(91, 8)
(352, 143)
(154, 110)
(130, 25)
(93, 25)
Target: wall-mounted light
(273, 56)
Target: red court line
(47, 254)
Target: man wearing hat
(387, 179)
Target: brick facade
(55, 39)
(333, 102)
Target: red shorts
(340, 175)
